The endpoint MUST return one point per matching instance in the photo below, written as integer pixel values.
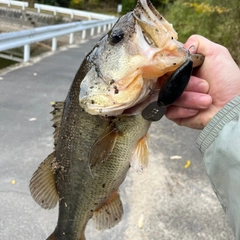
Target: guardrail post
(71, 38)
(26, 53)
(83, 34)
(92, 31)
(54, 44)
(99, 29)
(38, 9)
(104, 27)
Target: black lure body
(171, 90)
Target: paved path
(167, 202)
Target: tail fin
(53, 236)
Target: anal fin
(109, 214)
(42, 185)
(140, 156)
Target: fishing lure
(171, 90)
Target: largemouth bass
(99, 130)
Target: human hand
(212, 85)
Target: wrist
(217, 121)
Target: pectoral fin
(103, 146)
(42, 185)
(140, 156)
(109, 214)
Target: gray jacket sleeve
(220, 144)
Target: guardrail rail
(15, 3)
(55, 10)
(26, 37)
(72, 12)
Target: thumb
(201, 45)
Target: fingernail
(203, 86)
(193, 111)
(204, 101)
(191, 45)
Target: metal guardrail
(27, 37)
(15, 3)
(55, 10)
(71, 12)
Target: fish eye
(116, 36)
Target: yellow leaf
(187, 164)
(13, 182)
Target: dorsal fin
(109, 214)
(57, 117)
(42, 185)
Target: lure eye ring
(116, 36)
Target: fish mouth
(153, 24)
(161, 53)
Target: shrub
(210, 18)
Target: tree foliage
(128, 5)
(215, 19)
(109, 6)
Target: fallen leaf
(32, 119)
(175, 157)
(13, 182)
(140, 221)
(187, 164)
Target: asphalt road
(167, 202)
